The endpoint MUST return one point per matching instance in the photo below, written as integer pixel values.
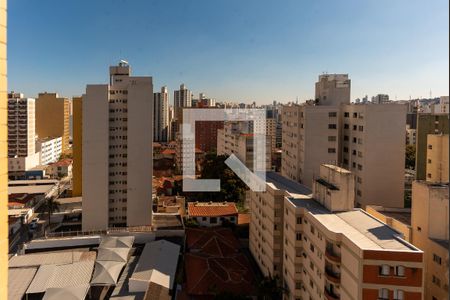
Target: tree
(50, 206)
(410, 157)
(270, 288)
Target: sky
(239, 50)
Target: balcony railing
(332, 256)
(330, 295)
(332, 276)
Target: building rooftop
(211, 209)
(295, 189)
(363, 230)
(443, 243)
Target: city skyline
(223, 49)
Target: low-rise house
(61, 168)
(211, 214)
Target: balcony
(330, 295)
(332, 256)
(332, 276)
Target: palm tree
(50, 206)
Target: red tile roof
(168, 152)
(243, 219)
(214, 209)
(63, 162)
(214, 264)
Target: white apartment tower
(21, 126)
(181, 98)
(117, 151)
(161, 115)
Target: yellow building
(430, 232)
(77, 147)
(3, 158)
(52, 117)
(437, 158)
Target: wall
(77, 144)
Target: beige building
(52, 117)
(235, 139)
(117, 151)
(368, 139)
(77, 144)
(3, 157)
(430, 225)
(161, 115)
(373, 148)
(21, 126)
(310, 137)
(330, 250)
(437, 158)
(397, 218)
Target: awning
(106, 272)
(113, 254)
(68, 293)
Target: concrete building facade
(333, 89)
(329, 251)
(50, 149)
(437, 157)
(430, 232)
(77, 146)
(21, 126)
(4, 245)
(161, 115)
(427, 124)
(181, 98)
(117, 151)
(52, 117)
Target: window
(332, 114)
(359, 193)
(332, 126)
(383, 294)
(429, 161)
(346, 126)
(299, 220)
(398, 295)
(345, 137)
(355, 127)
(332, 138)
(430, 147)
(400, 271)
(384, 270)
(213, 220)
(437, 259)
(311, 247)
(361, 128)
(331, 150)
(436, 281)
(298, 236)
(346, 114)
(355, 115)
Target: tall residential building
(310, 138)
(117, 151)
(161, 115)
(333, 89)
(4, 246)
(356, 136)
(430, 232)
(324, 248)
(235, 139)
(373, 146)
(427, 124)
(21, 126)
(77, 146)
(52, 117)
(181, 98)
(437, 158)
(380, 98)
(50, 149)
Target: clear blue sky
(249, 50)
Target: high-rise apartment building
(4, 246)
(427, 124)
(437, 158)
(52, 117)
(356, 136)
(325, 249)
(373, 146)
(430, 232)
(236, 138)
(380, 98)
(310, 138)
(181, 98)
(21, 126)
(77, 146)
(161, 115)
(333, 89)
(117, 151)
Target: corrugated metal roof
(117, 242)
(38, 259)
(113, 254)
(61, 276)
(158, 264)
(107, 272)
(68, 293)
(18, 281)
